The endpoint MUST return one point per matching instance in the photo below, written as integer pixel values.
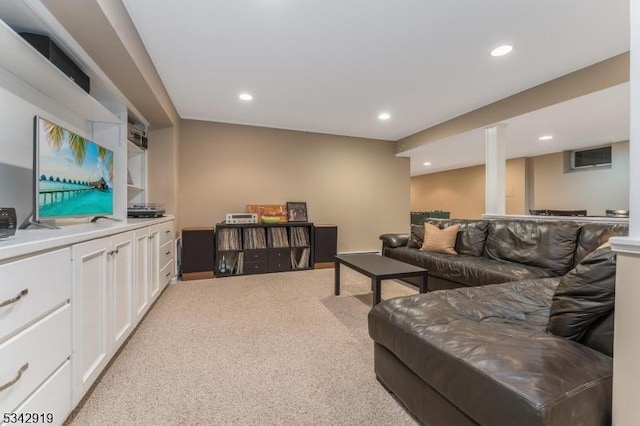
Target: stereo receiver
(7, 222)
(241, 218)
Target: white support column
(626, 370)
(495, 165)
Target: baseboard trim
(188, 276)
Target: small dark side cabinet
(326, 245)
(197, 253)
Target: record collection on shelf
(258, 248)
(278, 237)
(229, 239)
(254, 238)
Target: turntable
(145, 210)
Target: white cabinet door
(102, 301)
(154, 260)
(121, 281)
(141, 272)
(91, 313)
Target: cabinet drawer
(255, 256)
(46, 280)
(255, 267)
(54, 396)
(279, 255)
(166, 232)
(29, 357)
(166, 253)
(280, 266)
(166, 273)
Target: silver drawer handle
(15, 299)
(14, 381)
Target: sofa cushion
(467, 270)
(470, 239)
(548, 245)
(439, 240)
(585, 294)
(593, 235)
(600, 335)
(485, 349)
(417, 236)
(417, 232)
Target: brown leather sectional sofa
(489, 354)
(497, 251)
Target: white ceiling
(332, 66)
(596, 119)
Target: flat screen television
(72, 175)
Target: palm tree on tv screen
(55, 135)
(102, 154)
(78, 144)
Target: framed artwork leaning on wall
(297, 211)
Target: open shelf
(22, 60)
(135, 188)
(132, 148)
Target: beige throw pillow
(440, 240)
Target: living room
(202, 168)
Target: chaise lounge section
(527, 352)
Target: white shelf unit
(137, 170)
(46, 90)
(25, 62)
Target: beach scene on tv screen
(75, 175)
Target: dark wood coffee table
(378, 268)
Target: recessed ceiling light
(545, 138)
(384, 116)
(426, 163)
(245, 96)
(501, 50)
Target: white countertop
(33, 240)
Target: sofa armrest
(394, 240)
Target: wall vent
(592, 157)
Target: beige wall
(357, 184)
(595, 189)
(462, 191)
(162, 166)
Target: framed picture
(297, 211)
(268, 210)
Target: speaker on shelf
(57, 57)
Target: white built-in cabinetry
(103, 304)
(141, 272)
(70, 297)
(35, 333)
(101, 115)
(68, 306)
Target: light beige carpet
(274, 349)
